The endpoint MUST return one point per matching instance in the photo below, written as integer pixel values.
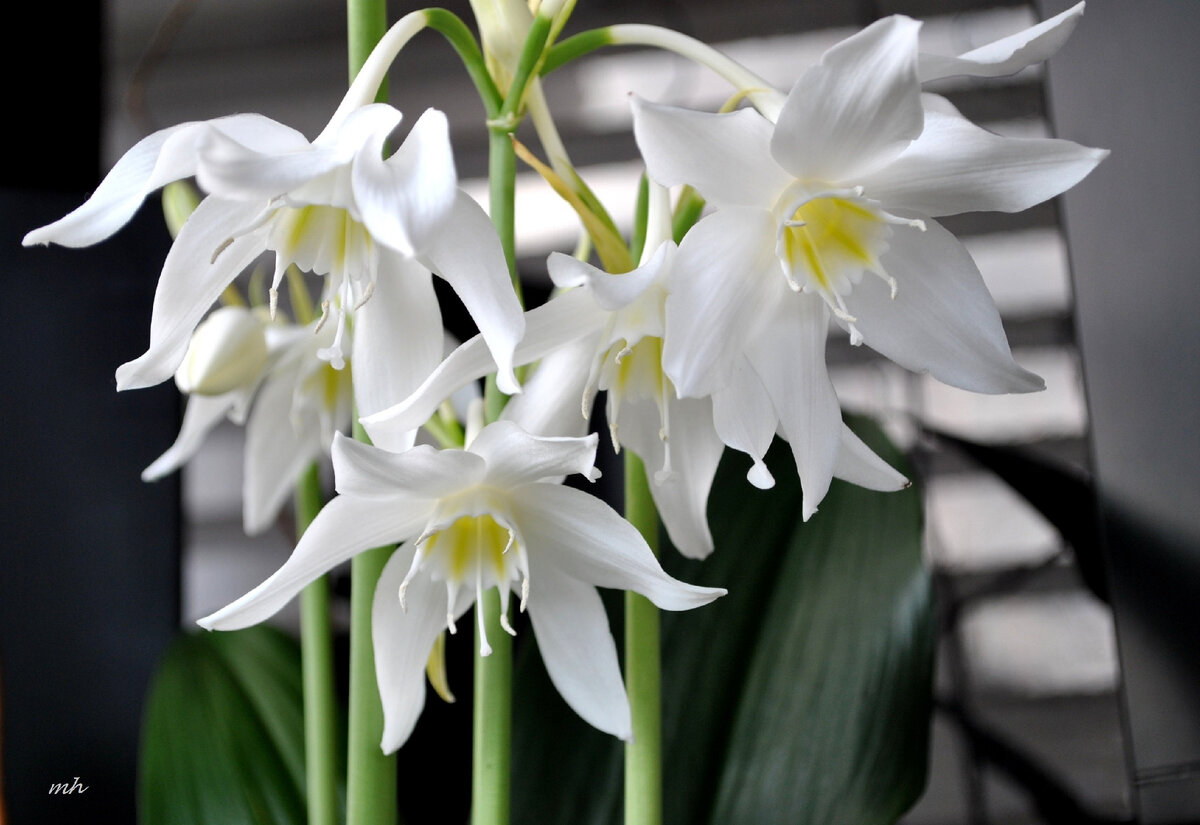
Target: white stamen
(216, 252)
(274, 298)
(324, 316)
(485, 649)
(403, 590)
(366, 295)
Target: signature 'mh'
(64, 788)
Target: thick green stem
(491, 755)
(316, 648)
(643, 755)
(370, 774)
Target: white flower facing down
(296, 402)
(335, 207)
(470, 520)
(606, 333)
(844, 185)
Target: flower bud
(227, 351)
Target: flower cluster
(822, 211)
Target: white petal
(1008, 54)
(745, 419)
(726, 157)
(550, 400)
(957, 167)
(578, 649)
(467, 254)
(403, 640)
(345, 527)
(155, 160)
(202, 414)
(190, 282)
(566, 318)
(420, 473)
(397, 343)
(857, 109)
(789, 357)
(858, 464)
(279, 446)
(681, 495)
(515, 457)
(728, 276)
(586, 539)
(612, 292)
(405, 200)
(942, 320)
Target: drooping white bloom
(487, 516)
(336, 207)
(844, 185)
(291, 401)
(606, 333)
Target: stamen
(366, 295)
(324, 316)
(274, 295)
(451, 597)
(524, 592)
(216, 252)
(485, 649)
(403, 590)
(508, 628)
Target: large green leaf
(223, 732)
(803, 696)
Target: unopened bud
(228, 350)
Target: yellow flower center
(478, 551)
(827, 239)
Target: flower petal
(405, 200)
(1006, 55)
(745, 419)
(467, 254)
(725, 157)
(858, 108)
(955, 166)
(200, 264)
(943, 320)
(279, 446)
(681, 495)
(550, 400)
(345, 527)
(613, 292)
(514, 457)
(155, 160)
(568, 317)
(587, 540)
(727, 278)
(403, 639)
(397, 343)
(858, 464)
(789, 357)
(202, 414)
(577, 647)
(422, 473)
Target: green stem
(643, 755)
(491, 754)
(765, 98)
(459, 36)
(316, 649)
(370, 774)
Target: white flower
(334, 206)
(470, 520)
(845, 184)
(296, 402)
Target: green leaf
(223, 732)
(803, 696)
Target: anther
(274, 296)
(224, 245)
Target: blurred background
(1067, 687)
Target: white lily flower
(295, 402)
(335, 207)
(470, 520)
(606, 333)
(845, 184)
